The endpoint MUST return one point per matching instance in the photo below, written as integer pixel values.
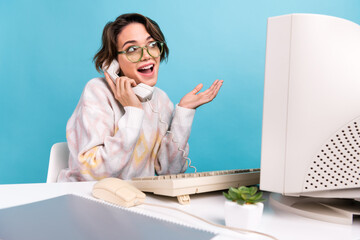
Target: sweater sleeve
(99, 146)
(174, 148)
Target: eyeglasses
(135, 53)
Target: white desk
(277, 223)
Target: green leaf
(244, 189)
(239, 195)
(259, 195)
(233, 195)
(245, 196)
(227, 196)
(256, 196)
(234, 190)
(253, 190)
(257, 200)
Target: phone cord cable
(172, 137)
(239, 230)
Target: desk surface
(278, 223)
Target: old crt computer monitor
(311, 116)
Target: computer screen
(311, 116)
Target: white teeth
(147, 67)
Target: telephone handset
(142, 91)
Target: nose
(145, 55)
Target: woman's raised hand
(195, 99)
(123, 92)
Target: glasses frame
(142, 51)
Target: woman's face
(135, 34)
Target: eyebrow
(133, 41)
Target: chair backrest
(59, 156)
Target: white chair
(59, 156)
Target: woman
(111, 132)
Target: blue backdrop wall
(46, 51)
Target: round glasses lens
(154, 49)
(134, 55)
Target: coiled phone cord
(188, 160)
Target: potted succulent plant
(245, 208)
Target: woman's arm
(99, 146)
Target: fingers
(197, 88)
(217, 88)
(209, 94)
(119, 86)
(123, 84)
(122, 90)
(110, 82)
(212, 87)
(132, 82)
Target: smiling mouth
(147, 69)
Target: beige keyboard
(182, 185)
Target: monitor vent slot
(337, 164)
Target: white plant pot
(246, 216)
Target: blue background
(46, 51)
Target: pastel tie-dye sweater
(106, 139)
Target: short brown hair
(108, 49)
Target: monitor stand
(332, 210)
